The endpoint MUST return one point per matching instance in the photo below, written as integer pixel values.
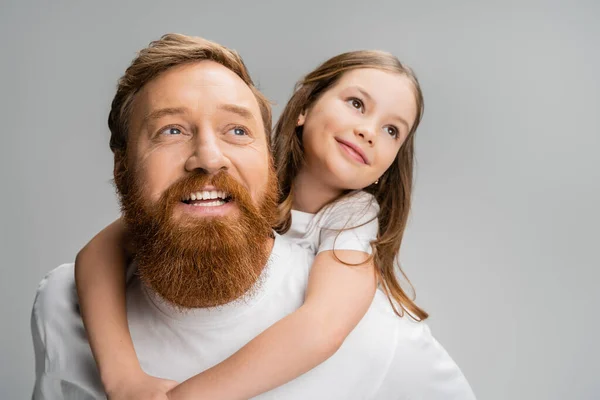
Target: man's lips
(208, 200)
(205, 208)
(217, 207)
(353, 150)
(206, 193)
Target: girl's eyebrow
(370, 98)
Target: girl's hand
(141, 386)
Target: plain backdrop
(503, 238)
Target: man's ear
(119, 169)
(301, 118)
(119, 164)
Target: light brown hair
(394, 189)
(170, 51)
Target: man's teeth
(207, 195)
(210, 203)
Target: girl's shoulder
(354, 209)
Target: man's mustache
(197, 181)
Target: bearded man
(187, 119)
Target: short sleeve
(348, 224)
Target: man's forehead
(206, 85)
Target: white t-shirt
(384, 357)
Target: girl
(343, 150)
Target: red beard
(199, 262)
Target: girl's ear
(301, 118)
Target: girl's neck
(310, 193)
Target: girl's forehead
(375, 79)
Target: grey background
(503, 236)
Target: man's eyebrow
(396, 116)
(239, 110)
(161, 112)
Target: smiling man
(190, 134)
(198, 173)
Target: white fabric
(385, 357)
(347, 224)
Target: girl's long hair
(394, 189)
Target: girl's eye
(356, 103)
(238, 131)
(392, 131)
(171, 130)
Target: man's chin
(204, 262)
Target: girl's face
(353, 132)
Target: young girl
(343, 150)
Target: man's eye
(171, 130)
(238, 131)
(356, 103)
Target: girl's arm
(337, 297)
(100, 278)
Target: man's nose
(207, 154)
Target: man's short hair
(172, 50)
